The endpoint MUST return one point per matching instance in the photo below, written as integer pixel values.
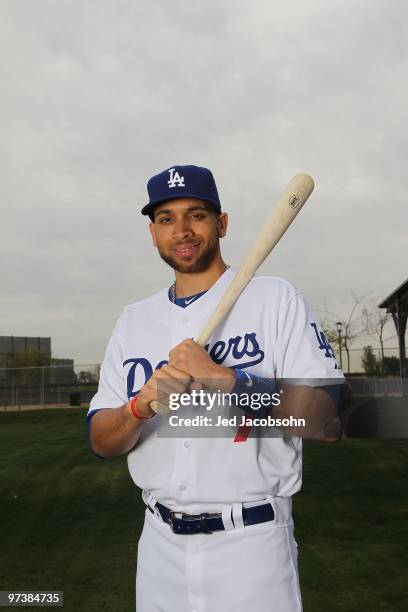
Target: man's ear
(152, 233)
(222, 224)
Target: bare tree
(352, 326)
(375, 322)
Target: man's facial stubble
(199, 264)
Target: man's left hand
(190, 357)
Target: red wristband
(135, 412)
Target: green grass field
(70, 521)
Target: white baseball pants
(240, 569)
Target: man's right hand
(115, 431)
(160, 385)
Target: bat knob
(159, 408)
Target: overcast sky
(96, 96)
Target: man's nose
(182, 228)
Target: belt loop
(271, 500)
(226, 518)
(237, 516)
(151, 502)
(282, 507)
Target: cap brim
(149, 208)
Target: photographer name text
(234, 421)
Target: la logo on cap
(175, 179)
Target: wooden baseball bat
(288, 206)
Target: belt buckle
(190, 517)
(203, 520)
(170, 519)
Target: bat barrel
(287, 208)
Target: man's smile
(186, 249)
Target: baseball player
(218, 530)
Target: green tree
(370, 363)
(391, 366)
(85, 377)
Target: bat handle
(159, 408)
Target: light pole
(339, 330)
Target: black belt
(207, 523)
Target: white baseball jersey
(269, 332)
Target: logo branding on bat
(293, 201)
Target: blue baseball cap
(182, 182)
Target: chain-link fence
(75, 385)
(70, 385)
(376, 386)
(381, 362)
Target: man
(218, 532)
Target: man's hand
(190, 357)
(115, 431)
(168, 379)
(315, 406)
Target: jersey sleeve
(112, 392)
(302, 349)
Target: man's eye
(165, 219)
(198, 216)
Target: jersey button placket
(183, 469)
(186, 445)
